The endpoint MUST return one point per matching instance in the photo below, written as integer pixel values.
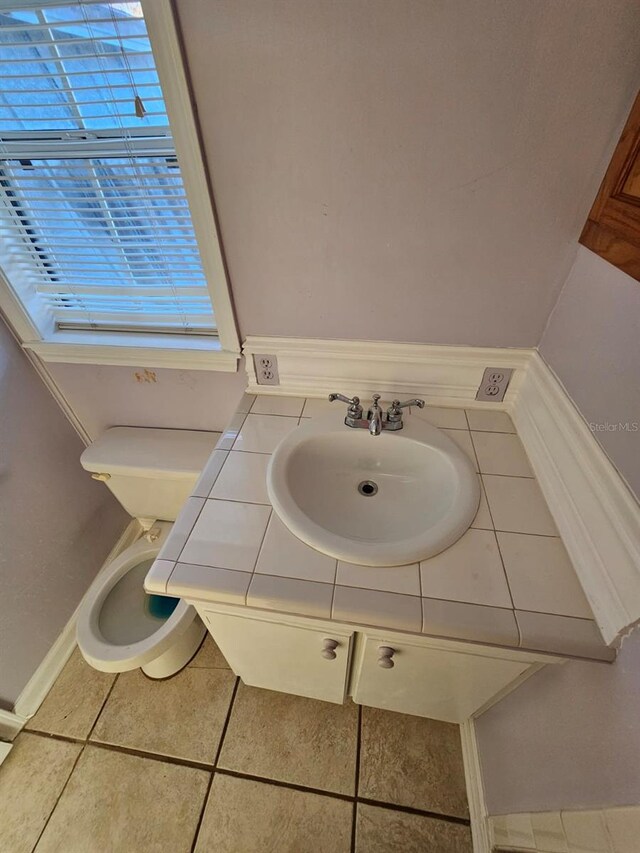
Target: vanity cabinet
(438, 678)
(290, 658)
(428, 681)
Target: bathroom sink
(385, 500)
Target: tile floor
(200, 762)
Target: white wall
(413, 170)
(592, 342)
(56, 524)
(568, 738)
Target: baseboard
(475, 789)
(5, 749)
(596, 513)
(42, 680)
(443, 375)
(10, 725)
(609, 830)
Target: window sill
(136, 350)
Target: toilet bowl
(121, 627)
(118, 627)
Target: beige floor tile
(123, 803)
(243, 816)
(182, 717)
(412, 761)
(74, 701)
(483, 518)
(292, 739)
(209, 655)
(384, 830)
(31, 779)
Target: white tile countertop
(507, 581)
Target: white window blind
(94, 219)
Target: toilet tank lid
(147, 452)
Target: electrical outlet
(266, 367)
(494, 384)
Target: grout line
(59, 797)
(106, 699)
(215, 764)
(213, 768)
(461, 821)
(223, 734)
(279, 783)
(506, 575)
(357, 781)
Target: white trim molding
(10, 724)
(596, 513)
(475, 788)
(443, 375)
(609, 830)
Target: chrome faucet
(376, 420)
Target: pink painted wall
(410, 170)
(592, 343)
(103, 396)
(568, 738)
(56, 524)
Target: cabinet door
(304, 661)
(429, 682)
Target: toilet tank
(150, 471)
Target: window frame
(195, 352)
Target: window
(98, 242)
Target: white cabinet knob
(328, 649)
(385, 659)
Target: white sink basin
(383, 500)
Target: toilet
(121, 627)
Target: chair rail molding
(443, 375)
(595, 511)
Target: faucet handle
(355, 409)
(394, 412)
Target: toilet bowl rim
(107, 656)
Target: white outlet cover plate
(266, 368)
(495, 382)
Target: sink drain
(368, 488)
